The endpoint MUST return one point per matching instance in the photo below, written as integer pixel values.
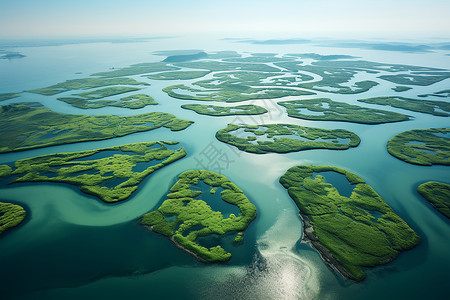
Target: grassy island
(29, 125)
(438, 194)
(137, 69)
(226, 66)
(350, 233)
(133, 102)
(179, 75)
(442, 94)
(422, 146)
(437, 108)
(214, 110)
(229, 80)
(417, 78)
(259, 58)
(186, 57)
(337, 74)
(187, 218)
(11, 215)
(106, 92)
(231, 93)
(84, 83)
(334, 79)
(7, 96)
(316, 56)
(111, 174)
(284, 138)
(401, 88)
(326, 109)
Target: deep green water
(73, 246)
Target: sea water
(74, 246)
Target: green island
(84, 83)
(137, 69)
(111, 174)
(337, 73)
(223, 54)
(29, 125)
(187, 217)
(326, 109)
(437, 108)
(132, 102)
(178, 75)
(102, 93)
(7, 96)
(334, 79)
(226, 66)
(442, 94)
(350, 232)
(401, 88)
(417, 78)
(422, 146)
(186, 57)
(11, 215)
(438, 194)
(214, 110)
(228, 80)
(284, 138)
(316, 56)
(259, 58)
(231, 93)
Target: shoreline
(331, 262)
(190, 252)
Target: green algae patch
(437, 108)
(284, 138)
(325, 109)
(350, 233)
(26, 126)
(11, 215)
(214, 110)
(438, 194)
(84, 83)
(7, 96)
(422, 146)
(108, 173)
(186, 216)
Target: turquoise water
(74, 246)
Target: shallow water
(74, 246)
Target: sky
(20, 19)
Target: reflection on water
(339, 181)
(276, 272)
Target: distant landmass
(316, 56)
(61, 42)
(360, 44)
(176, 52)
(186, 57)
(383, 46)
(276, 42)
(11, 55)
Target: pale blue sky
(287, 18)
